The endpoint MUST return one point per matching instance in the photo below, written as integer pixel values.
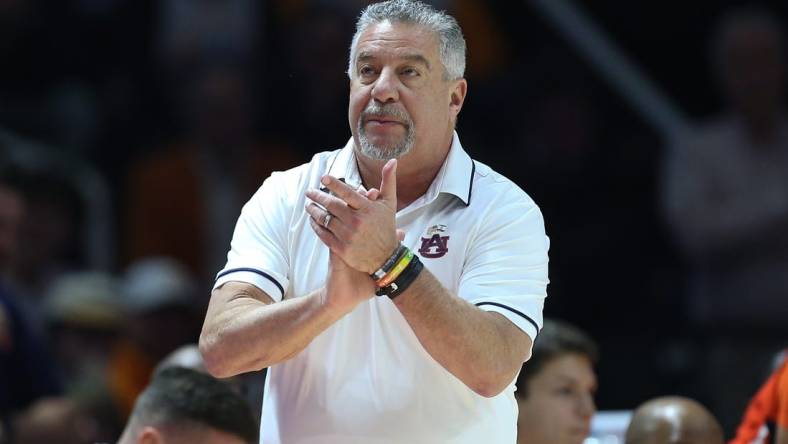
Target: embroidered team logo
(435, 245)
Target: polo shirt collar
(455, 176)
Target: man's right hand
(347, 287)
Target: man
(182, 405)
(673, 420)
(556, 387)
(436, 360)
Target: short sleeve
(505, 269)
(258, 251)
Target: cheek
(541, 417)
(357, 103)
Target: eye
(366, 71)
(410, 72)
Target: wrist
(389, 262)
(399, 277)
(335, 307)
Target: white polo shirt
(367, 379)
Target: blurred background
(651, 134)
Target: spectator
(85, 316)
(162, 306)
(61, 420)
(673, 420)
(768, 407)
(726, 197)
(555, 388)
(183, 405)
(85, 321)
(249, 385)
(27, 371)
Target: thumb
(400, 235)
(388, 183)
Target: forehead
(571, 366)
(397, 40)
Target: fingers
(388, 184)
(400, 235)
(347, 194)
(334, 225)
(333, 204)
(328, 238)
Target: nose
(586, 406)
(386, 87)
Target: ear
(149, 435)
(459, 89)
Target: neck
(415, 173)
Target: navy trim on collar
(470, 185)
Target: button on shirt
(367, 379)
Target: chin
(577, 437)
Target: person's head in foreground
(555, 389)
(182, 405)
(673, 420)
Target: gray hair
(452, 43)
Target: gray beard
(385, 152)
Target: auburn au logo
(435, 246)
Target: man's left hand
(361, 230)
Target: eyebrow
(568, 379)
(418, 58)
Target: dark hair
(179, 396)
(555, 340)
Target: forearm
(482, 349)
(246, 334)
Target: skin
(673, 420)
(398, 65)
(559, 403)
(782, 435)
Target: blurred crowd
(132, 132)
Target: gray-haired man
(457, 252)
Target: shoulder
(492, 190)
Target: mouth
(382, 120)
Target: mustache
(388, 111)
